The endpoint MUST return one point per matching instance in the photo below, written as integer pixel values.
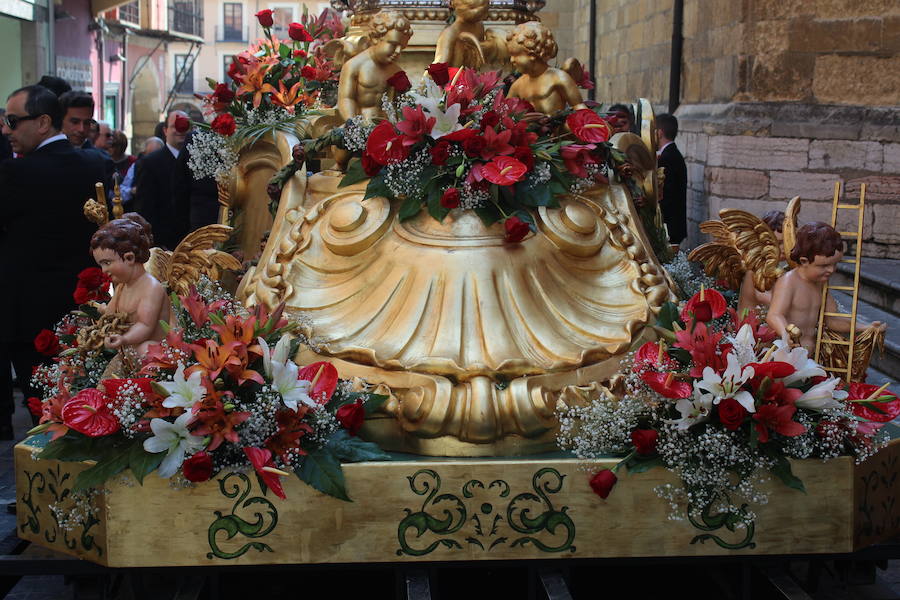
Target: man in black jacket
(44, 237)
(155, 191)
(674, 198)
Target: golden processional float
(477, 344)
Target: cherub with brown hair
(531, 46)
(120, 248)
(797, 296)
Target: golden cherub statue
(364, 78)
(194, 256)
(531, 46)
(466, 42)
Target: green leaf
(640, 464)
(488, 215)
(373, 403)
(410, 208)
(782, 470)
(355, 173)
(435, 209)
(72, 447)
(322, 471)
(141, 462)
(668, 314)
(112, 464)
(349, 448)
(377, 188)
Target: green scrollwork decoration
(727, 519)
(545, 482)
(32, 521)
(427, 482)
(266, 518)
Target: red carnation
(308, 72)
(298, 33)
(224, 125)
(644, 441)
(440, 73)
(588, 126)
(265, 17)
(223, 93)
(731, 413)
(603, 482)
(47, 343)
(351, 416)
(198, 468)
(516, 229)
(35, 406)
(182, 124)
(399, 81)
(93, 278)
(300, 52)
(450, 198)
(440, 152)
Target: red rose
(223, 93)
(35, 406)
(504, 170)
(440, 73)
(301, 53)
(450, 198)
(298, 33)
(399, 81)
(224, 125)
(198, 468)
(351, 416)
(440, 152)
(644, 440)
(731, 413)
(603, 482)
(473, 146)
(525, 156)
(308, 72)
(516, 229)
(588, 126)
(47, 343)
(265, 17)
(489, 119)
(93, 278)
(182, 124)
(82, 295)
(370, 165)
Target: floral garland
(723, 407)
(220, 392)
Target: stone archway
(145, 106)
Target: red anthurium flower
(440, 73)
(460, 135)
(182, 124)
(399, 81)
(516, 229)
(298, 33)
(644, 441)
(705, 303)
(450, 198)
(88, 413)
(666, 385)
(652, 355)
(224, 125)
(774, 369)
(324, 377)
(385, 145)
(588, 126)
(198, 468)
(351, 416)
(576, 157)
(603, 482)
(777, 418)
(889, 406)
(265, 17)
(370, 166)
(262, 462)
(415, 125)
(504, 170)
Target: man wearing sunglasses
(43, 234)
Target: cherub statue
(121, 247)
(364, 77)
(465, 42)
(797, 296)
(548, 89)
(746, 252)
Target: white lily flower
(692, 411)
(805, 367)
(446, 121)
(183, 393)
(279, 355)
(175, 440)
(822, 396)
(728, 384)
(743, 344)
(292, 390)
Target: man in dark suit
(155, 190)
(78, 117)
(44, 237)
(674, 197)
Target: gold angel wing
(789, 229)
(494, 48)
(472, 55)
(720, 260)
(574, 68)
(717, 230)
(757, 245)
(158, 264)
(192, 258)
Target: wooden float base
(426, 509)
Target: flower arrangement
(220, 392)
(723, 407)
(457, 141)
(270, 86)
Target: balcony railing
(225, 33)
(186, 17)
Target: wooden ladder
(854, 289)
